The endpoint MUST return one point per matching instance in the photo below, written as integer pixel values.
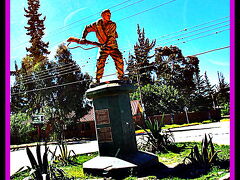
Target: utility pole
(140, 92)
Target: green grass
(177, 157)
(77, 170)
(21, 175)
(213, 174)
(171, 158)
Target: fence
(180, 118)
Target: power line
(110, 74)
(202, 36)
(50, 87)
(29, 77)
(93, 14)
(198, 36)
(128, 5)
(47, 76)
(147, 10)
(94, 19)
(194, 34)
(185, 29)
(84, 19)
(211, 50)
(195, 30)
(54, 68)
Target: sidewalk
(19, 158)
(69, 141)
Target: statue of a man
(106, 33)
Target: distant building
(88, 125)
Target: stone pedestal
(115, 131)
(113, 118)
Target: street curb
(13, 147)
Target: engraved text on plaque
(102, 116)
(104, 134)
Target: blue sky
(65, 18)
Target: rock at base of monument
(107, 166)
(123, 166)
(141, 159)
(92, 85)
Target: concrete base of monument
(120, 166)
(92, 85)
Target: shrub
(65, 156)
(21, 128)
(41, 169)
(157, 138)
(225, 109)
(206, 157)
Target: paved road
(19, 157)
(219, 130)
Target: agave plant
(41, 169)
(206, 157)
(157, 137)
(65, 156)
(40, 165)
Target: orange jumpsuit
(106, 34)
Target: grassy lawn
(170, 159)
(177, 156)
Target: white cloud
(219, 63)
(70, 15)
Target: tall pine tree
(223, 90)
(38, 50)
(28, 77)
(210, 91)
(139, 64)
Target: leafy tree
(168, 65)
(18, 102)
(68, 101)
(160, 99)
(139, 65)
(20, 128)
(173, 69)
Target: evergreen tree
(38, 49)
(139, 64)
(210, 90)
(200, 99)
(70, 100)
(223, 90)
(28, 78)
